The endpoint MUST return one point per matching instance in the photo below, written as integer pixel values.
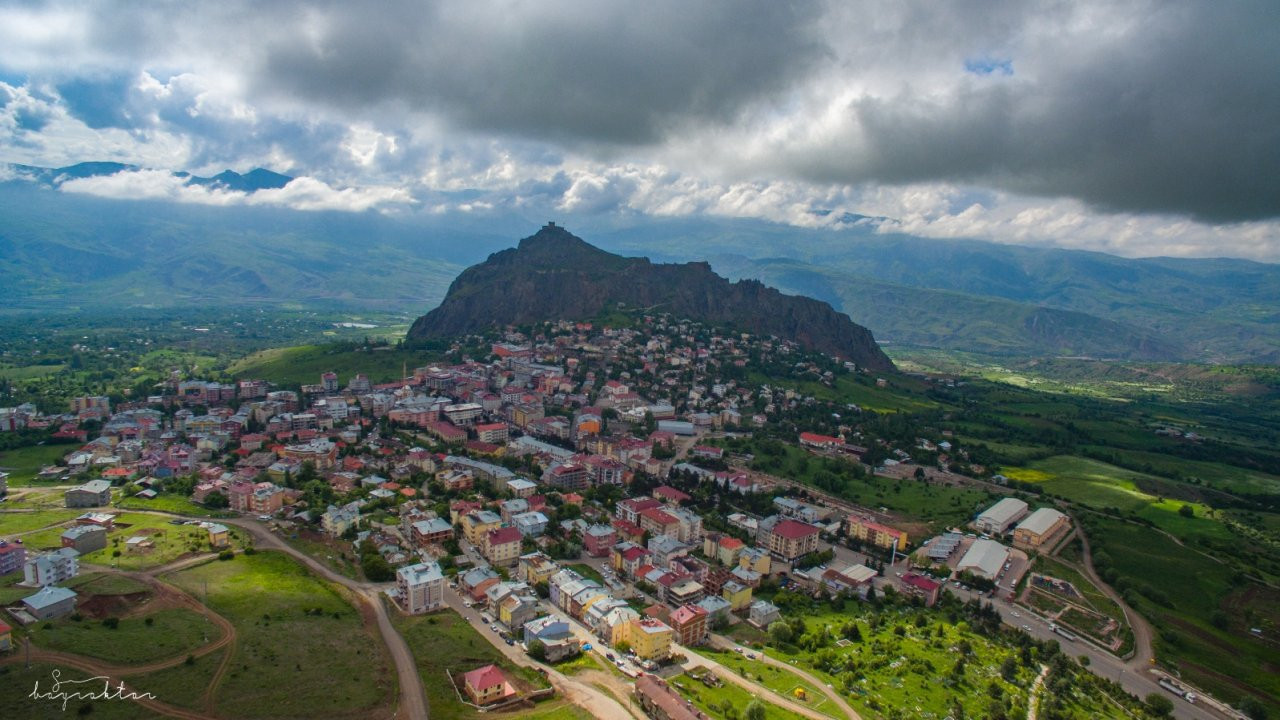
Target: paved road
(413, 697)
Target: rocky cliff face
(554, 275)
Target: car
(1015, 613)
(1027, 628)
(494, 627)
(264, 518)
(510, 641)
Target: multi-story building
(13, 555)
(689, 623)
(790, 539)
(599, 540)
(874, 533)
(420, 587)
(52, 568)
(94, 493)
(502, 545)
(84, 538)
(475, 525)
(1041, 525)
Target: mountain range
(62, 250)
(554, 275)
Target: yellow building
(650, 639)
(874, 533)
(478, 524)
(755, 559)
(1038, 527)
(537, 568)
(218, 535)
(737, 595)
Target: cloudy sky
(1138, 128)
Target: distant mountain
(256, 179)
(555, 275)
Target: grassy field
(171, 542)
(176, 504)
(171, 633)
(1202, 609)
(444, 641)
(902, 394)
(305, 363)
(587, 571)
(17, 682)
(182, 685)
(777, 680)
(714, 700)
(15, 522)
(24, 463)
(300, 646)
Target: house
(94, 493)
(819, 442)
(516, 607)
(920, 586)
(501, 546)
(433, 531)
(558, 642)
(476, 581)
(530, 524)
(420, 587)
(874, 533)
(13, 555)
(337, 520)
(999, 517)
(683, 591)
(521, 487)
(717, 608)
(84, 538)
(762, 613)
(495, 433)
(737, 594)
(790, 539)
(51, 568)
(487, 685)
(755, 560)
(660, 702)
(670, 495)
(689, 623)
(536, 568)
(219, 536)
(50, 602)
(1039, 526)
(599, 540)
(848, 579)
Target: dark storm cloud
(1180, 114)
(608, 72)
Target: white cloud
(302, 193)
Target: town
(625, 493)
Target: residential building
(650, 639)
(94, 493)
(52, 568)
(530, 524)
(337, 520)
(555, 636)
(762, 613)
(660, 702)
(599, 540)
(920, 586)
(495, 433)
(790, 539)
(433, 531)
(501, 546)
(476, 525)
(487, 685)
(1041, 525)
(536, 568)
(475, 582)
(874, 533)
(737, 594)
(50, 602)
(219, 535)
(420, 587)
(13, 555)
(689, 623)
(84, 538)
(1000, 517)
(755, 560)
(848, 579)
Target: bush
(111, 623)
(1159, 705)
(227, 555)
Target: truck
(1175, 688)
(1063, 632)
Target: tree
(1254, 708)
(753, 711)
(1159, 705)
(216, 500)
(780, 632)
(1187, 511)
(537, 650)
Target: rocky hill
(555, 275)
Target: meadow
(135, 640)
(17, 682)
(23, 464)
(300, 643)
(303, 364)
(727, 700)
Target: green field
(176, 504)
(171, 542)
(445, 641)
(17, 683)
(182, 685)
(1183, 593)
(587, 571)
(304, 364)
(776, 679)
(300, 645)
(24, 463)
(714, 700)
(15, 522)
(171, 633)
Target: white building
(420, 587)
(51, 568)
(985, 558)
(1000, 517)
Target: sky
(1134, 128)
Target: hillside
(555, 275)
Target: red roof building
(487, 685)
(690, 624)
